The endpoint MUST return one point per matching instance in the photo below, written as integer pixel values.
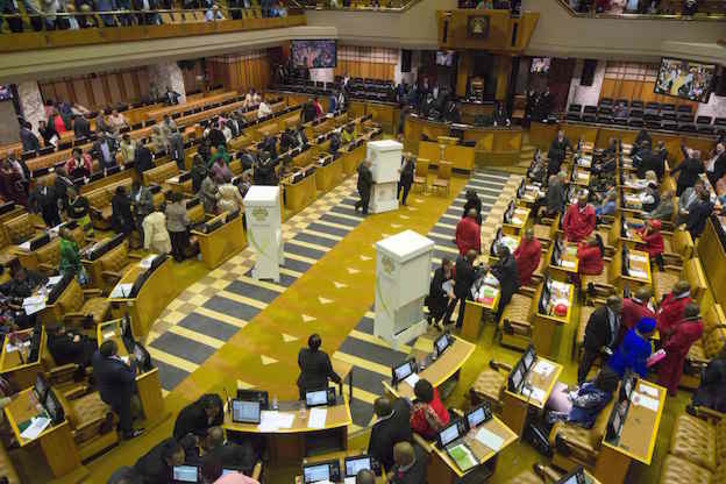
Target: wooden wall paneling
(128, 81)
(107, 94)
(79, 88)
(99, 96)
(114, 91)
(119, 80)
(141, 82)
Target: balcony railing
(706, 10)
(384, 6)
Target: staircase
(525, 159)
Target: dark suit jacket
(216, 138)
(29, 140)
(115, 379)
(697, 216)
(315, 370)
(387, 433)
(365, 179)
(690, 168)
(193, 420)
(143, 159)
(414, 475)
(81, 127)
(121, 218)
(597, 330)
(152, 468)
(465, 277)
(505, 270)
(234, 456)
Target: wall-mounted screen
(314, 54)
(445, 57)
(5, 93)
(685, 79)
(540, 65)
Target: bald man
(366, 476)
(601, 335)
(392, 425)
(410, 464)
(229, 454)
(579, 221)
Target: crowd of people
(649, 7)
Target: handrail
(313, 5)
(592, 13)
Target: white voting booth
(264, 230)
(403, 273)
(385, 158)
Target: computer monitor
(401, 372)
(245, 412)
(628, 385)
(441, 344)
(528, 358)
(54, 408)
(322, 471)
(353, 465)
(317, 398)
(576, 476)
(254, 396)
(41, 387)
(143, 359)
(449, 434)
(516, 378)
(185, 473)
(478, 416)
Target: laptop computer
(185, 473)
(353, 465)
(577, 476)
(318, 398)
(442, 343)
(321, 472)
(403, 371)
(451, 440)
(246, 411)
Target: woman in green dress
(70, 257)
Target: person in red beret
(579, 221)
(527, 255)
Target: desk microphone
(229, 402)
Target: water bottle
(302, 409)
(274, 403)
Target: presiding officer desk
(299, 440)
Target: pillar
(463, 72)
(31, 103)
(168, 74)
(504, 71)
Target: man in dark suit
(171, 97)
(68, 348)
(601, 335)
(61, 186)
(231, 455)
(557, 152)
(27, 138)
(365, 184)
(44, 201)
(505, 270)
(155, 466)
(391, 427)
(315, 367)
(410, 464)
(143, 158)
(116, 383)
(465, 276)
(81, 127)
(198, 417)
(287, 140)
(104, 150)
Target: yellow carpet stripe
(290, 272)
(343, 215)
(370, 314)
(225, 318)
(377, 341)
(359, 394)
(323, 235)
(445, 226)
(264, 284)
(196, 336)
(334, 225)
(172, 360)
(310, 246)
(450, 250)
(368, 365)
(301, 258)
(244, 300)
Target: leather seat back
(20, 229)
(115, 259)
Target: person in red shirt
(685, 333)
(468, 234)
(318, 107)
(428, 413)
(652, 238)
(671, 309)
(80, 164)
(590, 254)
(636, 308)
(579, 221)
(527, 255)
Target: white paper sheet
(145, 263)
(349, 480)
(52, 281)
(543, 368)
(24, 246)
(637, 274)
(121, 290)
(35, 428)
(638, 258)
(412, 379)
(490, 439)
(568, 264)
(317, 418)
(647, 402)
(284, 420)
(534, 393)
(109, 335)
(268, 421)
(10, 348)
(648, 390)
(33, 300)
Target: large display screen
(445, 57)
(314, 54)
(685, 79)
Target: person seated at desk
(22, 283)
(601, 335)
(348, 134)
(636, 308)
(650, 196)
(688, 199)
(684, 334)
(468, 233)
(664, 210)
(605, 165)
(392, 425)
(428, 413)
(229, 454)
(652, 239)
(365, 476)
(438, 299)
(505, 270)
(609, 205)
(590, 256)
(335, 142)
(67, 347)
(557, 152)
(634, 351)
(672, 307)
(212, 470)
(410, 464)
(116, 383)
(80, 164)
(315, 367)
(580, 220)
(711, 393)
(537, 171)
(583, 405)
(527, 256)
(155, 466)
(698, 214)
(263, 109)
(200, 416)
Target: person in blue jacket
(635, 349)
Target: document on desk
(145, 263)
(33, 304)
(121, 290)
(11, 348)
(644, 401)
(462, 456)
(490, 439)
(52, 281)
(568, 264)
(648, 390)
(543, 368)
(534, 393)
(412, 379)
(638, 274)
(37, 426)
(317, 418)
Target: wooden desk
(148, 386)
(292, 444)
(443, 469)
(462, 157)
(301, 194)
(329, 176)
(224, 242)
(352, 159)
(56, 441)
(158, 114)
(151, 300)
(20, 374)
(569, 262)
(582, 177)
(546, 336)
(516, 405)
(439, 371)
(475, 311)
(518, 222)
(636, 442)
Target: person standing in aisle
(365, 184)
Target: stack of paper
(145, 263)
(33, 304)
(412, 379)
(37, 425)
(543, 368)
(638, 274)
(568, 264)
(463, 457)
(648, 390)
(271, 420)
(122, 290)
(534, 393)
(490, 439)
(643, 401)
(52, 281)
(317, 418)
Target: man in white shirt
(263, 110)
